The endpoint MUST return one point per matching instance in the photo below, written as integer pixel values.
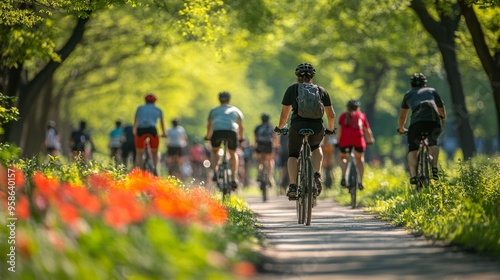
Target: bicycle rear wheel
(263, 184)
(148, 164)
(423, 168)
(308, 191)
(299, 204)
(352, 182)
(225, 184)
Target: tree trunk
(24, 132)
(444, 34)
(491, 64)
(372, 84)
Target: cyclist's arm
(285, 110)
(134, 127)
(369, 135)
(240, 129)
(402, 119)
(330, 115)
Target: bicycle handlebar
(284, 131)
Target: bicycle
(352, 177)
(306, 189)
(423, 162)
(148, 164)
(224, 173)
(263, 182)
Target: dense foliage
(72, 217)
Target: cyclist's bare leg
(214, 159)
(234, 163)
(317, 159)
(360, 162)
(293, 166)
(138, 158)
(343, 163)
(412, 163)
(270, 168)
(155, 157)
(434, 153)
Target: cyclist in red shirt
(353, 128)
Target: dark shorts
(229, 135)
(264, 148)
(432, 128)
(174, 151)
(295, 139)
(348, 149)
(143, 133)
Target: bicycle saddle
(306, 131)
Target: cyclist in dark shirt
(265, 141)
(79, 140)
(304, 73)
(128, 144)
(428, 115)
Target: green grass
(461, 209)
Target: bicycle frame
(352, 177)
(423, 163)
(263, 182)
(305, 196)
(148, 158)
(224, 173)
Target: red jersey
(352, 133)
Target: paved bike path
(344, 243)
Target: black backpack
(310, 105)
(265, 133)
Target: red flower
(101, 180)
(122, 209)
(83, 199)
(68, 213)
(209, 209)
(23, 208)
(47, 187)
(11, 177)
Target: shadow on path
(344, 243)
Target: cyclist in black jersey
(304, 73)
(428, 116)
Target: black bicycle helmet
(305, 70)
(264, 117)
(224, 96)
(418, 79)
(176, 121)
(353, 104)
